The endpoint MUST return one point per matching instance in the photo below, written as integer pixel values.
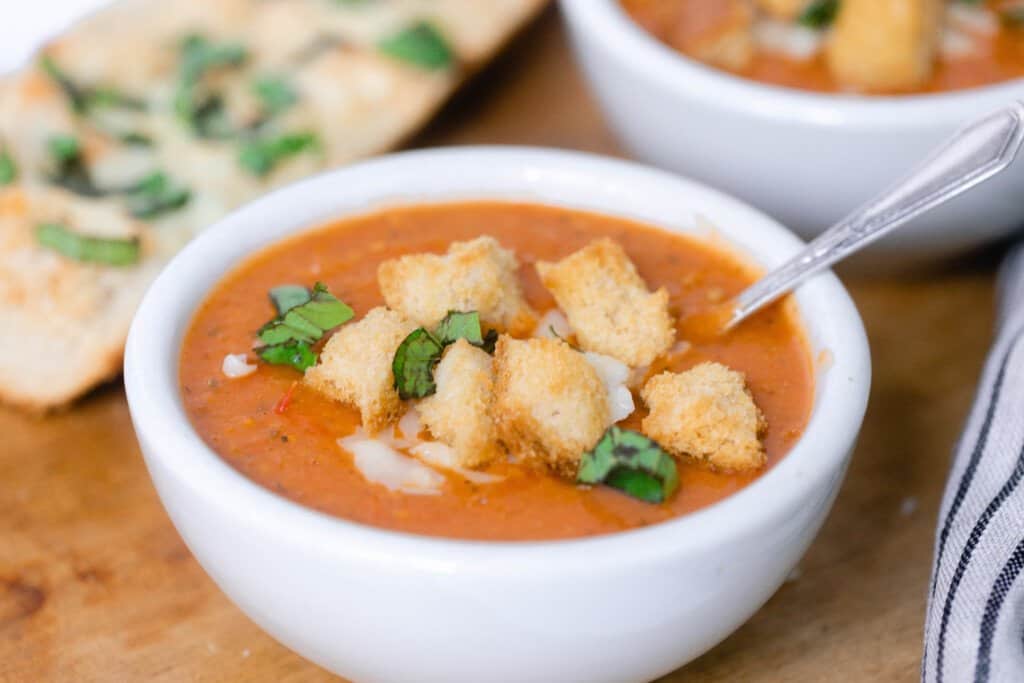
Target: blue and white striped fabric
(975, 626)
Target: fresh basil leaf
(204, 112)
(84, 99)
(490, 341)
(287, 297)
(69, 169)
(76, 95)
(414, 362)
(457, 325)
(155, 195)
(632, 463)
(296, 354)
(275, 94)
(819, 14)
(8, 169)
(308, 321)
(259, 156)
(136, 139)
(420, 44)
(110, 252)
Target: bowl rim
(152, 357)
(648, 57)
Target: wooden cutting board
(96, 585)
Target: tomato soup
(808, 44)
(284, 435)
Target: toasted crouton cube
(459, 414)
(719, 32)
(549, 405)
(355, 367)
(783, 9)
(608, 305)
(708, 414)
(885, 45)
(473, 276)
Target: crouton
(707, 414)
(473, 276)
(355, 367)
(608, 305)
(719, 32)
(459, 414)
(885, 45)
(549, 405)
(783, 9)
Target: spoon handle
(974, 154)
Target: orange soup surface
(994, 53)
(284, 435)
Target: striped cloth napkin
(975, 626)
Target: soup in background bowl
(375, 597)
(806, 155)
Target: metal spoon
(976, 153)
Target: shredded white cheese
(615, 376)
(553, 324)
(236, 365)
(956, 43)
(973, 19)
(787, 38)
(441, 455)
(381, 464)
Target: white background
(24, 24)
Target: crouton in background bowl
(376, 605)
(805, 155)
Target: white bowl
(805, 158)
(375, 605)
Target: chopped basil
(84, 99)
(414, 362)
(204, 112)
(8, 169)
(296, 354)
(136, 139)
(301, 321)
(259, 156)
(819, 14)
(418, 354)
(110, 252)
(287, 297)
(69, 170)
(420, 44)
(1012, 17)
(632, 463)
(275, 94)
(155, 195)
(458, 325)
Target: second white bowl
(805, 158)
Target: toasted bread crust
(608, 305)
(478, 275)
(459, 414)
(355, 367)
(706, 414)
(550, 405)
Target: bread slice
(339, 79)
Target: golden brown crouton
(708, 414)
(719, 32)
(459, 414)
(549, 405)
(608, 305)
(355, 367)
(783, 9)
(473, 276)
(885, 45)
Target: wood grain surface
(96, 585)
